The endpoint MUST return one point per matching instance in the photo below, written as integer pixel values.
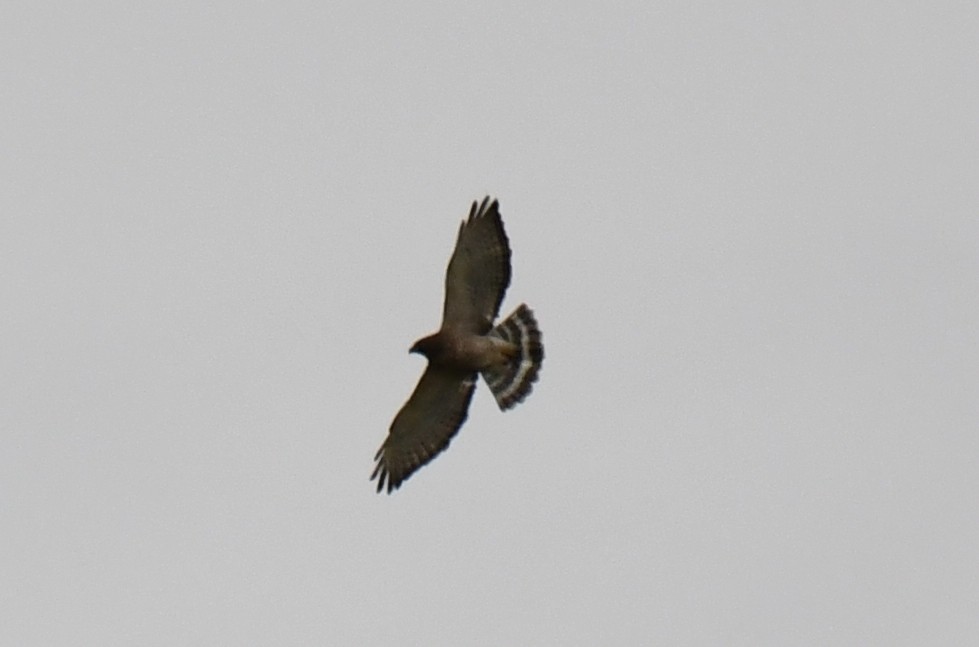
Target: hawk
(508, 355)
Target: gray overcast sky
(750, 232)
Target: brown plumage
(508, 356)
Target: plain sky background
(750, 232)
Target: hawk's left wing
(479, 271)
(424, 426)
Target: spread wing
(424, 426)
(479, 271)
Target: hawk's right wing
(479, 271)
(424, 426)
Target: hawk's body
(508, 356)
(467, 352)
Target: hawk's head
(430, 346)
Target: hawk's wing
(424, 426)
(479, 271)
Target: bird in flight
(507, 355)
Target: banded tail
(512, 382)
